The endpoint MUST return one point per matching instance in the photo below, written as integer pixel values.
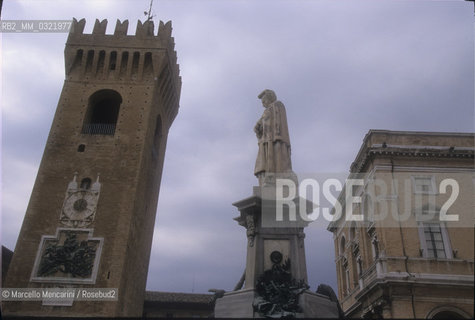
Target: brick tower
(90, 219)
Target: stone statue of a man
(273, 139)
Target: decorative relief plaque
(71, 256)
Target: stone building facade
(90, 219)
(406, 247)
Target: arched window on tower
(101, 61)
(135, 63)
(102, 113)
(89, 60)
(77, 60)
(123, 63)
(85, 183)
(113, 60)
(148, 66)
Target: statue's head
(267, 97)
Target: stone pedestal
(238, 304)
(275, 246)
(315, 305)
(235, 304)
(265, 235)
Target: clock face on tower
(80, 205)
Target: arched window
(100, 62)
(123, 64)
(148, 65)
(113, 60)
(342, 245)
(102, 113)
(448, 312)
(85, 183)
(368, 209)
(89, 60)
(355, 252)
(135, 63)
(78, 59)
(345, 276)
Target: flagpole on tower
(149, 12)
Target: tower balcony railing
(99, 128)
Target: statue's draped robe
(274, 144)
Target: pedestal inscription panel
(272, 245)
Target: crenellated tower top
(145, 57)
(144, 33)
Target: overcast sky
(340, 67)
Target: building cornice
(420, 279)
(370, 148)
(409, 151)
